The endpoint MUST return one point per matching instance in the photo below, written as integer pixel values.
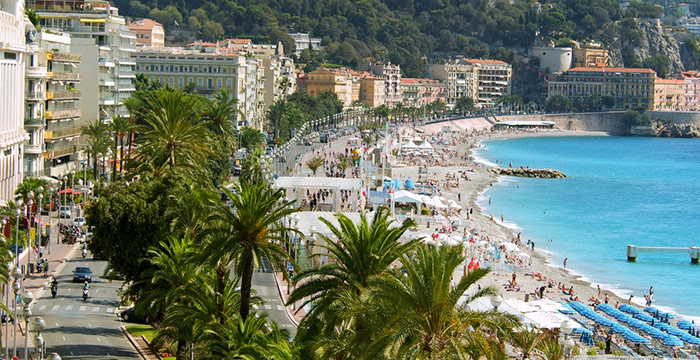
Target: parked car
(131, 315)
(236, 170)
(64, 212)
(82, 273)
(79, 221)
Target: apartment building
(483, 80)
(372, 91)
(669, 95)
(590, 55)
(419, 92)
(303, 41)
(337, 81)
(631, 88)
(52, 115)
(391, 75)
(13, 32)
(148, 33)
(103, 39)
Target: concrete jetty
(633, 250)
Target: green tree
(97, 134)
(212, 31)
(314, 163)
(221, 115)
(254, 167)
(558, 103)
(251, 138)
(343, 163)
(119, 127)
(464, 105)
(422, 317)
(174, 135)
(658, 63)
(249, 233)
(526, 340)
(32, 184)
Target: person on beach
(598, 290)
(607, 298)
(501, 218)
(630, 300)
(532, 243)
(567, 259)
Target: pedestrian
(532, 243)
(598, 290)
(459, 196)
(41, 251)
(46, 268)
(567, 259)
(607, 298)
(630, 300)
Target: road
(266, 288)
(83, 330)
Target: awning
(93, 21)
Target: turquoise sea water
(620, 190)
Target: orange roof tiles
(144, 24)
(612, 69)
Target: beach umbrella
(673, 341)
(509, 246)
(651, 310)
(684, 324)
(524, 256)
(409, 184)
(644, 317)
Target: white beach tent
(407, 197)
(409, 145)
(437, 203)
(509, 246)
(453, 205)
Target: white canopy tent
(425, 146)
(407, 196)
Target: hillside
(402, 31)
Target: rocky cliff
(665, 129)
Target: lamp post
(38, 324)
(496, 301)
(565, 329)
(27, 298)
(18, 212)
(30, 202)
(65, 188)
(16, 273)
(72, 194)
(40, 198)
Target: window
(200, 81)
(10, 56)
(180, 82)
(219, 83)
(229, 83)
(171, 81)
(210, 83)
(190, 80)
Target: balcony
(63, 57)
(58, 134)
(34, 122)
(60, 151)
(107, 82)
(31, 149)
(36, 72)
(107, 63)
(35, 95)
(109, 100)
(64, 76)
(63, 95)
(62, 114)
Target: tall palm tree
(221, 115)
(173, 133)
(275, 115)
(133, 105)
(253, 169)
(120, 126)
(343, 163)
(417, 309)
(97, 134)
(361, 253)
(249, 233)
(551, 349)
(192, 208)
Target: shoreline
(540, 260)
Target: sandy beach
(467, 193)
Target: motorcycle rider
(54, 286)
(85, 290)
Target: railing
(62, 114)
(34, 122)
(66, 76)
(63, 57)
(58, 152)
(56, 134)
(35, 95)
(59, 95)
(33, 149)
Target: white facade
(392, 78)
(12, 78)
(555, 60)
(303, 41)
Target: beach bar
(633, 250)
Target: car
(236, 170)
(82, 274)
(79, 221)
(64, 212)
(132, 315)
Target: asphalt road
(266, 288)
(78, 329)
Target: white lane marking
(82, 308)
(280, 308)
(54, 308)
(97, 290)
(255, 306)
(95, 309)
(268, 307)
(64, 338)
(69, 307)
(90, 325)
(109, 310)
(56, 324)
(42, 307)
(98, 340)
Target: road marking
(97, 290)
(71, 353)
(56, 324)
(64, 338)
(109, 310)
(280, 308)
(98, 340)
(268, 307)
(82, 308)
(90, 325)
(54, 308)
(95, 309)
(42, 307)
(69, 307)
(255, 306)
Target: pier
(633, 250)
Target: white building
(303, 41)
(392, 78)
(555, 60)
(485, 81)
(105, 43)
(690, 23)
(13, 33)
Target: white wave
(478, 158)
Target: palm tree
(119, 127)
(526, 340)
(97, 134)
(314, 163)
(251, 138)
(275, 115)
(417, 309)
(343, 163)
(249, 233)
(236, 338)
(174, 134)
(253, 168)
(192, 208)
(551, 349)
(362, 252)
(221, 115)
(133, 105)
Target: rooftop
(485, 61)
(605, 69)
(144, 24)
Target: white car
(64, 212)
(79, 221)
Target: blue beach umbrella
(652, 310)
(409, 184)
(673, 341)
(398, 184)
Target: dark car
(132, 315)
(82, 273)
(236, 170)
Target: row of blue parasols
(637, 323)
(602, 320)
(398, 184)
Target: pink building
(419, 92)
(301, 79)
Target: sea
(619, 190)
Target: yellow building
(336, 81)
(590, 56)
(373, 91)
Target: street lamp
(18, 212)
(16, 273)
(566, 328)
(496, 302)
(38, 324)
(40, 198)
(53, 356)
